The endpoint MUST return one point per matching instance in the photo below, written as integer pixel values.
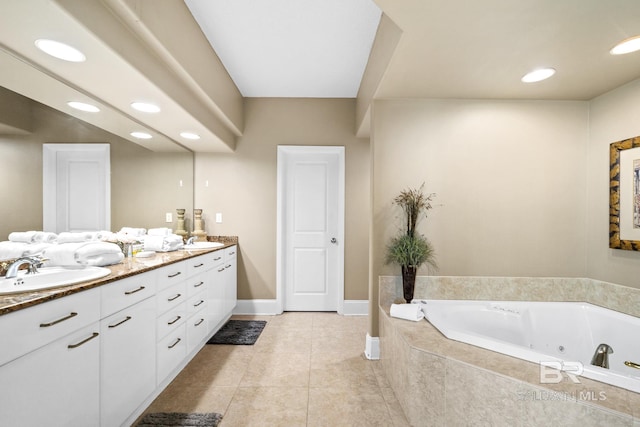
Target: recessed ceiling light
(189, 135)
(60, 50)
(83, 106)
(626, 46)
(145, 107)
(538, 75)
(140, 135)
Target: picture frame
(624, 194)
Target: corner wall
(242, 186)
(509, 178)
(613, 117)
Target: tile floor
(306, 369)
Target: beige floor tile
(293, 320)
(341, 370)
(284, 340)
(178, 398)
(334, 322)
(326, 340)
(395, 409)
(217, 365)
(277, 370)
(267, 406)
(347, 407)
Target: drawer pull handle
(232, 253)
(84, 341)
(174, 320)
(46, 325)
(198, 303)
(174, 298)
(198, 266)
(174, 275)
(227, 266)
(134, 291)
(197, 285)
(199, 322)
(126, 319)
(220, 269)
(217, 259)
(175, 343)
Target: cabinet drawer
(170, 351)
(216, 257)
(27, 329)
(126, 292)
(171, 274)
(230, 252)
(197, 284)
(171, 320)
(171, 297)
(196, 303)
(198, 264)
(197, 329)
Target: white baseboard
(372, 348)
(355, 307)
(257, 306)
(270, 307)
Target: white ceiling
(291, 48)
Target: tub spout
(601, 356)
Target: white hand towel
(62, 254)
(36, 249)
(132, 232)
(44, 237)
(74, 237)
(22, 236)
(99, 254)
(12, 250)
(159, 231)
(407, 311)
(154, 243)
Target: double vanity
(99, 352)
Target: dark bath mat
(179, 419)
(238, 332)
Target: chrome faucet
(33, 262)
(601, 356)
(190, 240)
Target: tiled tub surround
(444, 382)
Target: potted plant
(411, 249)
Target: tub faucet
(33, 262)
(601, 356)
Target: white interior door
(76, 187)
(312, 223)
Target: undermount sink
(50, 277)
(202, 245)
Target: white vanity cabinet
(56, 383)
(230, 279)
(128, 358)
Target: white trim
(372, 348)
(281, 182)
(355, 308)
(257, 306)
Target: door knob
(334, 240)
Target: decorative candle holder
(180, 230)
(198, 229)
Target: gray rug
(238, 332)
(179, 419)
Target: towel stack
(162, 243)
(92, 253)
(32, 237)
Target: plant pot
(408, 281)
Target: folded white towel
(163, 231)
(22, 236)
(75, 237)
(133, 232)
(44, 237)
(171, 242)
(62, 254)
(83, 253)
(407, 311)
(12, 250)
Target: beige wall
(509, 178)
(242, 186)
(613, 117)
(144, 185)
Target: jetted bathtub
(563, 335)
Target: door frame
(283, 151)
(50, 186)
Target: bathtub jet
(564, 332)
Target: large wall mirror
(145, 185)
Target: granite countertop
(127, 268)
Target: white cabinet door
(230, 279)
(128, 369)
(56, 385)
(216, 297)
